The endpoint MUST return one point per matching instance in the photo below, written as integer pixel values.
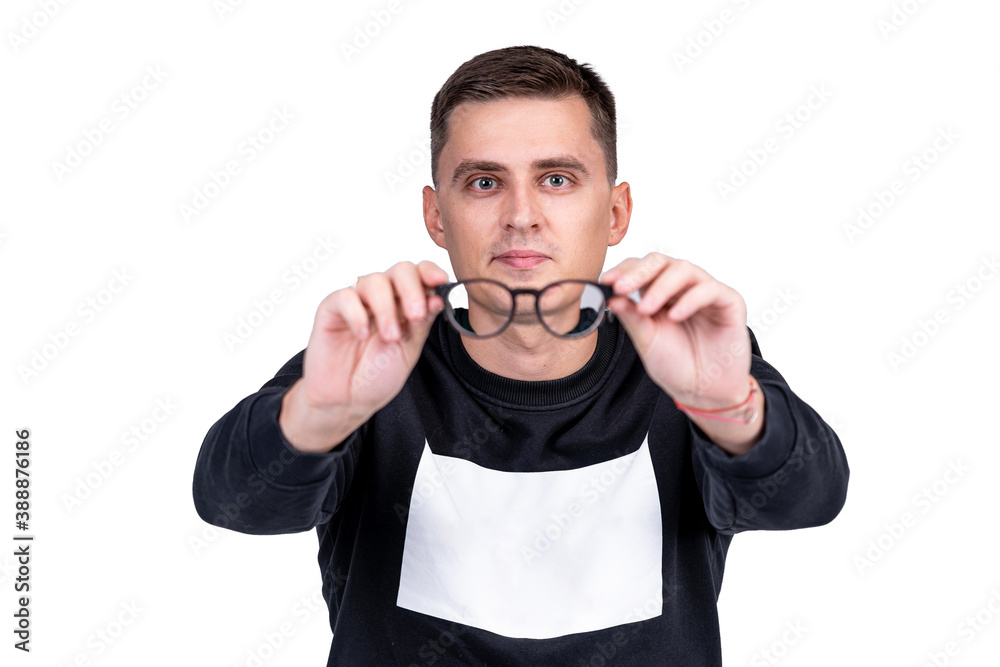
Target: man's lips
(521, 259)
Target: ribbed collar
(533, 393)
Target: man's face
(525, 177)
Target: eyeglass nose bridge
(606, 290)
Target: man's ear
(432, 217)
(621, 211)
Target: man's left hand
(689, 329)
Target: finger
(379, 298)
(433, 275)
(353, 312)
(640, 328)
(631, 263)
(614, 275)
(343, 307)
(678, 276)
(639, 275)
(615, 271)
(409, 289)
(701, 296)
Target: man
(517, 478)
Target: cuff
(772, 449)
(274, 458)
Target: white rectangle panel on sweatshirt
(534, 555)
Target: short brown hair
(526, 71)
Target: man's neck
(532, 354)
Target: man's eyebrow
(561, 162)
(466, 167)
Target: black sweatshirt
(477, 519)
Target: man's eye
(485, 183)
(556, 180)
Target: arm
(282, 459)
(795, 476)
(735, 438)
(249, 477)
(788, 470)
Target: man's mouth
(521, 259)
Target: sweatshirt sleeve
(794, 477)
(248, 477)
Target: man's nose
(522, 208)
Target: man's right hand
(364, 343)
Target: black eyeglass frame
(606, 290)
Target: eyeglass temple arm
(442, 290)
(608, 292)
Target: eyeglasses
(567, 308)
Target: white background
(847, 302)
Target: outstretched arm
(769, 463)
(249, 478)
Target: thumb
(640, 328)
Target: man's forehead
(516, 105)
(494, 135)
